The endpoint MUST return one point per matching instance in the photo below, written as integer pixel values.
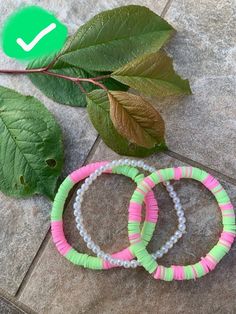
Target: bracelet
(207, 263)
(123, 258)
(57, 221)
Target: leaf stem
(45, 71)
(6, 71)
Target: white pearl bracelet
(87, 238)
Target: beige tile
(204, 44)
(56, 286)
(202, 126)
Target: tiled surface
(202, 127)
(23, 225)
(75, 290)
(7, 308)
(24, 222)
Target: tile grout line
(199, 165)
(166, 7)
(33, 265)
(47, 237)
(13, 303)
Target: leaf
(115, 37)
(153, 75)
(98, 109)
(64, 91)
(136, 119)
(31, 152)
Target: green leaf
(153, 75)
(115, 37)
(31, 152)
(98, 109)
(136, 119)
(64, 91)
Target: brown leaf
(136, 119)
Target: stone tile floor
(200, 131)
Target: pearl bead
(105, 257)
(76, 205)
(79, 226)
(178, 234)
(110, 259)
(88, 181)
(182, 220)
(96, 172)
(154, 256)
(76, 212)
(169, 244)
(164, 249)
(170, 188)
(178, 206)
(133, 163)
(87, 238)
(180, 213)
(119, 262)
(133, 264)
(81, 199)
(139, 163)
(182, 227)
(100, 254)
(113, 261)
(84, 188)
(93, 176)
(77, 199)
(82, 232)
(90, 244)
(95, 249)
(159, 254)
(78, 219)
(78, 192)
(174, 239)
(151, 169)
(126, 264)
(176, 200)
(172, 194)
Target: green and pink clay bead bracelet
(207, 263)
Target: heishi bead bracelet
(123, 258)
(207, 263)
(57, 212)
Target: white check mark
(30, 46)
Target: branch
(45, 71)
(5, 71)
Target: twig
(45, 71)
